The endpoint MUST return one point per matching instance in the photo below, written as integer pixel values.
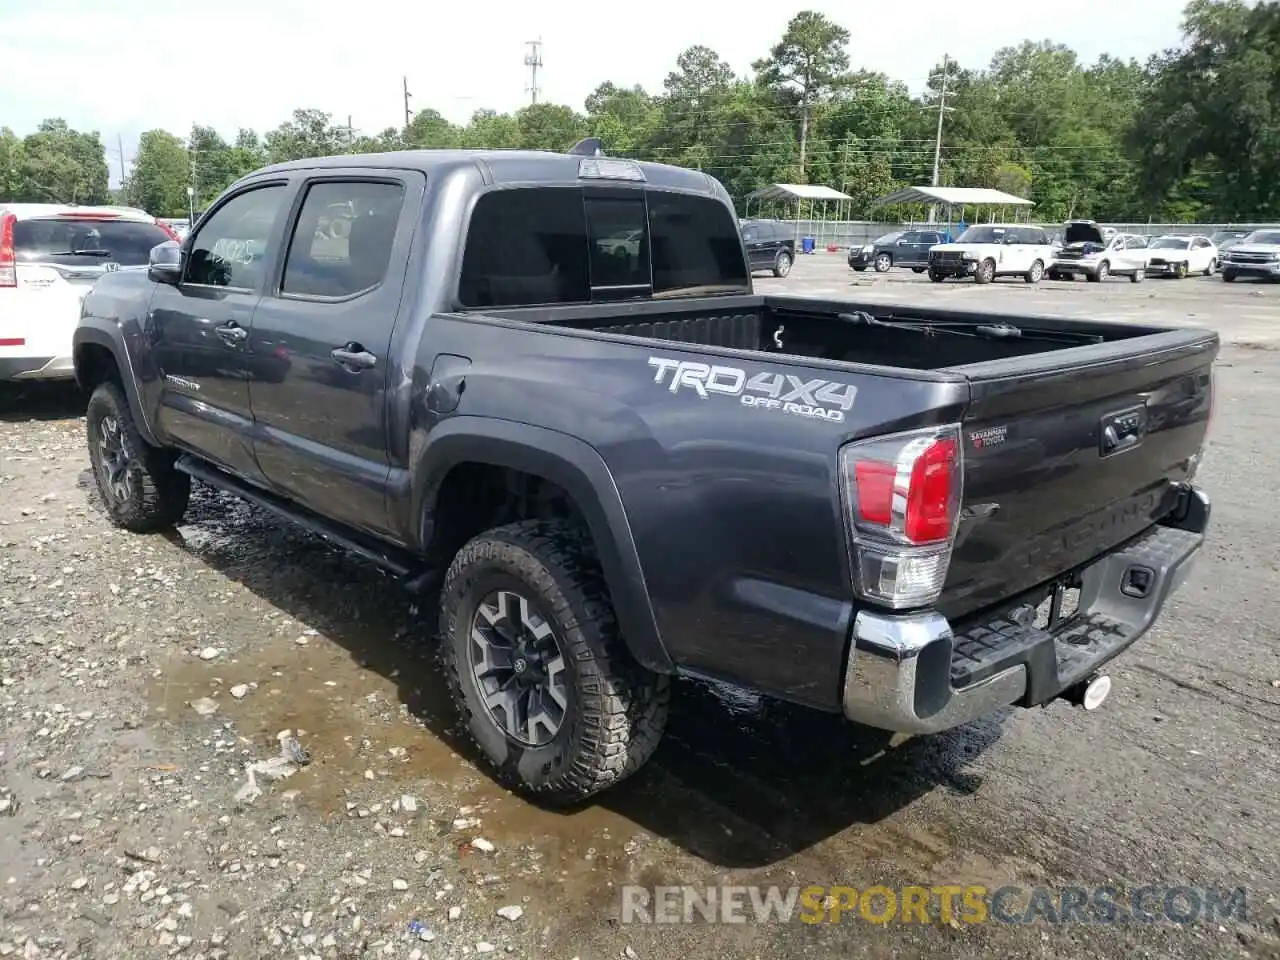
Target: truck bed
(1035, 396)
(841, 331)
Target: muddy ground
(121, 834)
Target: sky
(125, 66)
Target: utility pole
(937, 144)
(407, 115)
(193, 195)
(351, 134)
(533, 60)
(120, 147)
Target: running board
(396, 562)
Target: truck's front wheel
(137, 482)
(537, 668)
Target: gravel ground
(140, 675)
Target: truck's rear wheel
(137, 482)
(537, 668)
(986, 271)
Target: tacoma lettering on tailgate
(816, 399)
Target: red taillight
(929, 516)
(13, 341)
(903, 496)
(8, 263)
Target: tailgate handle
(1122, 430)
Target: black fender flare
(108, 335)
(581, 472)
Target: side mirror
(164, 263)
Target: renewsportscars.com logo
(815, 399)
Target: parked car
(986, 251)
(771, 245)
(906, 248)
(1224, 240)
(50, 255)
(1257, 255)
(863, 256)
(1087, 252)
(1177, 255)
(607, 484)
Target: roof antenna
(587, 147)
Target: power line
(533, 60)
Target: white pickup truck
(1099, 252)
(989, 250)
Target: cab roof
(502, 166)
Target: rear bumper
(913, 674)
(36, 368)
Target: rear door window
(72, 241)
(342, 243)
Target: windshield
(68, 240)
(1170, 243)
(1264, 236)
(982, 235)
(1222, 236)
(889, 237)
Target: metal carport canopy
(955, 196)
(797, 191)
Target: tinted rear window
(94, 241)
(552, 245)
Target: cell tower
(533, 60)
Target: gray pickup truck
(541, 387)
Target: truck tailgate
(1068, 454)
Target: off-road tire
(617, 709)
(782, 265)
(158, 493)
(986, 271)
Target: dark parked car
(771, 245)
(612, 463)
(906, 248)
(1226, 239)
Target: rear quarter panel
(733, 506)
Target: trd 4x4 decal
(816, 399)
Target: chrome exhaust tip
(1090, 693)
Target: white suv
(990, 250)
(50, 256)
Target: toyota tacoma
(614, 463)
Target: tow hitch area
(1089, 693)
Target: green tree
(161, 173)
(431, 130)
(808, 64)
(10, 165)
(308, 133)
(60, 165)
(549, 126)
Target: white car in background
(1178, 255)
(1098, 252)
(989, 250)
(50, 256)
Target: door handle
(353, 357)
(232, 332)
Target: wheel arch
(456, 448)
(99, 353)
